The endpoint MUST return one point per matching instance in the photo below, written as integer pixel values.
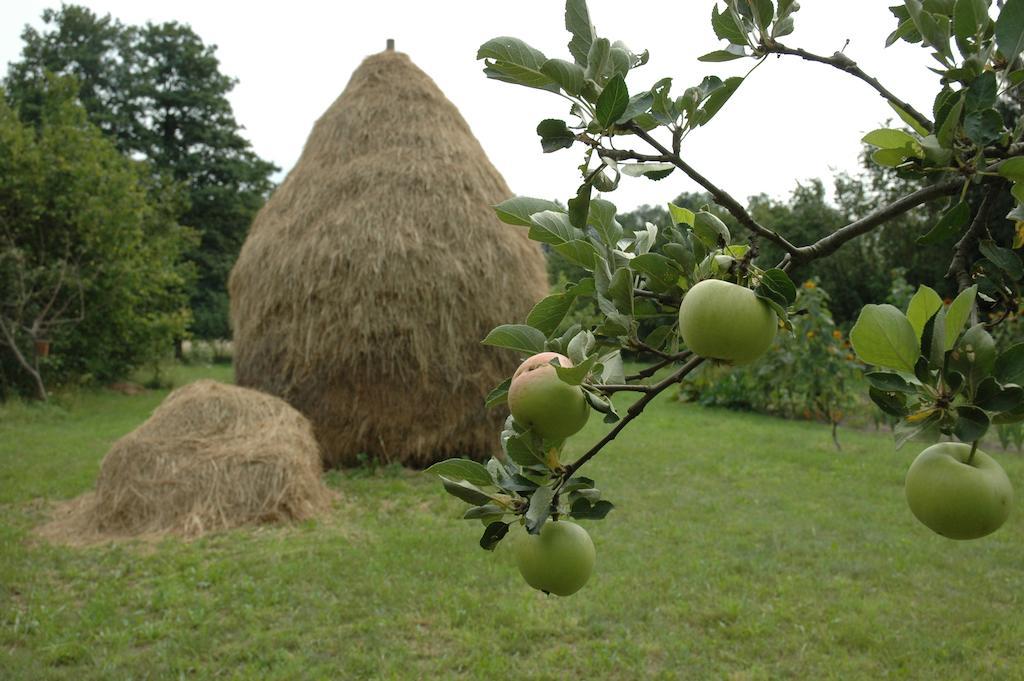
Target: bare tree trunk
(31, 368)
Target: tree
(937, 379)
(90, 260)
(158, 92)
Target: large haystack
(211, 457)
(373, 272)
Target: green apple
(557, 561)
(957, 499)
(727, 322)
(540, 400)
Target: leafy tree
(933, 376)
(82, 240)
(158, 92)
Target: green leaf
(477, 512)
(765, 12)
(892, 403)
(547, 314)
(991, 396)
(493, 534)
(519, 209)
(1003, 258)
(518, 449)
(580, 252)
(726, 28)
(1013, 169)
(893, 139)
(499, 395)
(462, 469)
(1010, 365)
(933, 339)
(957, 315)
(780, 285)
(981, 94)
(575, 375)
(570, 76)
(728, 54)
(717, 100)
(948, 226)
(513, 61)
(681, 216)
(1010, 29)
(579, 206)
(638, 104)
(970, 17)
(577, 22)
(602, 219)
(983, 127)
(890, 158)
(539, 510)
(552, 228)
(613, 101)
(580, 346)
(884, 337)
(598, 59)
(518, 337)
(710, 230)
(582, 509)
(555, 135)
(652, 171)
(933, 27)
(889, 382)
(663, 273)
(948, 128)
(909, 120)
(467, 491)
(971, 423)
(923, 306)
(620, 290)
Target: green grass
(741, 547)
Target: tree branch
(634, 410)
(655, 368)
(843, 63)
(959, 266)
(829, 244)
(722, 197)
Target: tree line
(126, 190)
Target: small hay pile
(211, 457)
(372, 273)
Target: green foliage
(158, 93)
(942, 380)
(935, 378)
(69, 198)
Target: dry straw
(370, 276)
(211, 457)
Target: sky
(790, 122)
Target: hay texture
(370, 276)
(211, 457)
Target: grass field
(742, 547)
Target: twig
(958, 267)
(634, 410)
(655, 368)
(843, 63)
